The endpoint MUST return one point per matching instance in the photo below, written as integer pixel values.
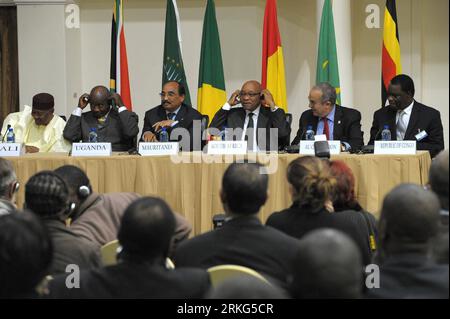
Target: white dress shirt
(406, 116)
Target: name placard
(307, 147)
(10, 149)
(227, 147)
(395, 147)
(91, 149)
(158, 149)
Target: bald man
(37, 127)
(112, 122)
(254, 119)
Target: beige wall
(423, 36)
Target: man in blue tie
(330, 119)
(173, 113)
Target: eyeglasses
(244, 94)
(169, 94)
(39, 114)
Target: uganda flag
(327, 61)
(390, 61)
(173, 67)
(119, 79)
(211, 82)
(273, 76)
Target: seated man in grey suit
(256, 120)
(113, 124)
(326, 117)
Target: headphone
(84, 191)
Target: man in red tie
(336, 122)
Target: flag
(211, 81)
(173, 67)
(273, 76)
(390, 59)
(327, 62)
(119, 79)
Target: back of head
(47, 195)
(439, 178)
(312, 182)
(405, 82)
(7, 176)
(244, 186)
(344, 196)
(25, 254)
(146, 230)
(246, 287)
(409, 216)
(328, 265)
(75, 177)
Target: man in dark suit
(408, 223)
(145, 236)
(325, 117)
(173, 114)
(407, 119)
(259, 120)
(116, 126)
(242, 240)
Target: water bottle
(309, 135)
(10, 136)
(224, 134)
(386, 133)
(93, 135)
(163, 135)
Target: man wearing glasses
(259, 121)
(173, 113)
(37, 127)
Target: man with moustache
(37, 127)
(112, 122)
(328, 118)
(407, 119)
(173, 113)
(257, 121)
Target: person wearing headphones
(47, 196)
(97, 217)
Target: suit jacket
(297, 222)
(422, 118)
(68, 248)
(241, 241)
(136, 281)
(120, 129)
(411, 276)
(100, 215)
(185, 117)
(235, 118)
(347, 126)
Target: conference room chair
(110, 250)
(221, 273)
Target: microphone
(4, 135)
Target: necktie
(401, 126)
(326, 128)
(250, 131)
(171, 116)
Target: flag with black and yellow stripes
(391, 58)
